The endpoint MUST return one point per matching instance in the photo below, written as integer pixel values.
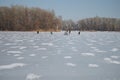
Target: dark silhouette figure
(37, 32)
(51, 33)
(79, 32)
(69, 31)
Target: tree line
(93, 24)
(20, 18)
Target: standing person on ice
(79, 32)
(51, 32)
(37, 32)
(69, 30)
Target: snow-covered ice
(17, 55)
(11, 66)
(42, 49)
(32, 76)
(88, 56)
(109, 60)
(48, 44)
(19, 58)
(22, 47)
(71, 64)
(115, 57)
(67, 57)
(36, 46)
(93, 65)
(32, 55)
(44, 57)
(74, 49)
(14, 52)
(115, 49)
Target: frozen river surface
(32, 56)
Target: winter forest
(20, 18)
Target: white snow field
(32, 56)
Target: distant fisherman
(51, 33)
(37, 32)
(79, 32)
(69, 31)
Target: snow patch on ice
(22, 47)
(93, 47)
(44, 57)
(74, 49)
(32, 55)
(115, 62)
(47, 44)
(87, 54)
(41, 49)
(14, 47)
(19, 40)
(100, 51)
(115, 57)
(31, 40)
(14, 52)
(35, 46)
(71, 64)
(109, 60)
(19, 58)
(17, 55)
(97, 50)
(11, 66)
(115, 49)
(93, 65)
(32, 76)
(7, 44)
(89, 44)
(67, 57)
